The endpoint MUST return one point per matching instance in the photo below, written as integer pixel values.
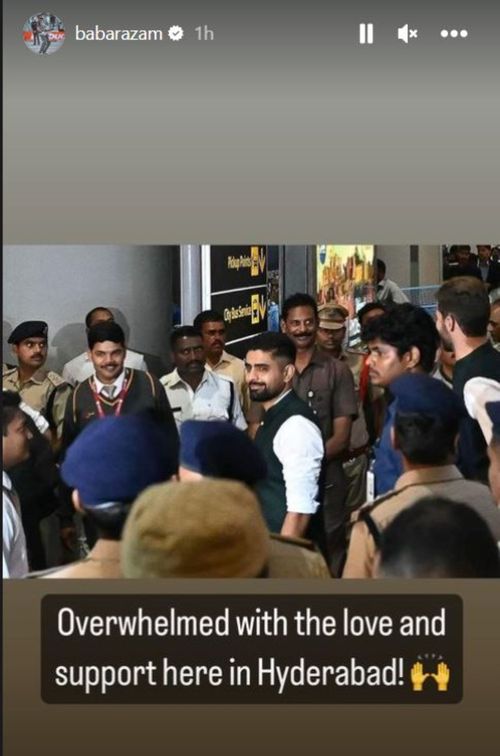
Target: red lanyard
(119, 402)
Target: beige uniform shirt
(295, 558)
(359, 433)
(445, 481)
(38, 390)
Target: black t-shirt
(483, 362)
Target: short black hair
(381, 266)
(183, 332)
(207, 316)
(278, 344)
(299, 300)
(368, 308)
(436, 537)
(90, 315)
(425, 439)
(109, 521)
(10, 408)
(404, 326)
(107, 330)
(466, 299)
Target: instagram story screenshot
(251, 378)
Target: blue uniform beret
(421, 394)
(219, 450)
(493, 410)
(116, 458)
(27, 330)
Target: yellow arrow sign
(262, 308)
(262, 260)
(254, 257)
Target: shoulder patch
(369, 507)
(55, 378)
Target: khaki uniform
(38, 391)
(326, 385)
(356, 462)
(445, 481)
(295, 558)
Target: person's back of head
(464, 300)
(381, 269)
(217, 449)
(437, 538)
(212, 529)
(112, 461)
(427, 419)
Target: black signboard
(237, 267)
(244, 312)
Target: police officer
(426, 424)
(42, 389)
(327, 387)
(332, 330)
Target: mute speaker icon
(405, 33)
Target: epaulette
(166, 380)
(370, 506)
(8, 369)
(365, 515)
(55, 378)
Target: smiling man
(81, 367)
(326, 385)
(113, 389)
(289, 439)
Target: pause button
(366, 34)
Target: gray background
(283, 128)
(61, 284)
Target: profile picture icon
(44, 33)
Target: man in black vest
(289, 438)
(111, 391)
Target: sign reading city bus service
(235, 284)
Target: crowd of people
(306, 459)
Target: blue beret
(114, 459)
(219, 450)
(27, 330)
(493, 410)
(421, 394)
